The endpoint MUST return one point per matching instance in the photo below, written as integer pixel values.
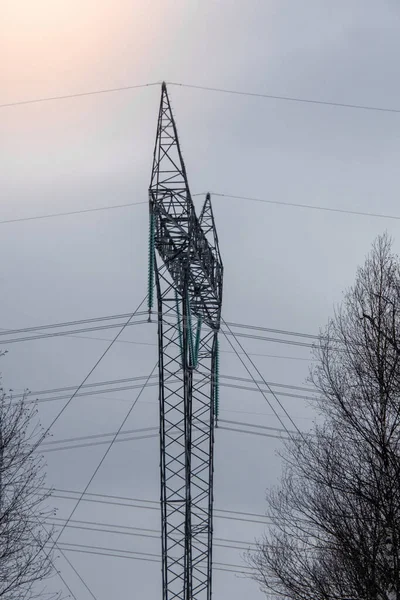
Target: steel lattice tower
(185, 259)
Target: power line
(207, 89)
(265, 427)
(101, 443)
(215, 194)
(78, 95)
(101, 392)
(114, 382)
(97, 436)
(149, 436)
(271, 330)
(71, 323)
(100, 437)
(127, 530)
(132, 552)
(309, 206)
(265, 383)
(105, 454)
(286, 98)
(98, 498)
(155, 560)
(68, 332)
(58, 415)
(269, 435)
(156, 536)
(145, 312)
(76, 573)
(72, 212)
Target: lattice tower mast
(185, 258)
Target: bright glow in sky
(53, 45)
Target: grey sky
(284, 267)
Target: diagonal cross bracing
(188, 274)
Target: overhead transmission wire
(54, 567)
(105, 454)
(71, 212)
(278, 416)
(217, 195)
(97, 384)
(115, 529)
(143, 503)
(76, 573)
(41, 524)
(134, 552)
(309, 206)
(99, 388)
(284, 98)
(241, 545)
(56, 445)
(206, 89)
(79, 95)
(58, 415)
(151, 436)
(144, 557)
(94, 327)
(44, 434)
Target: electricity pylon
(186, 262)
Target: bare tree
(336, 512)
(24, 555)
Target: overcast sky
(285, 267)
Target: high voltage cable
(156, 535)
(72, 212)
(100, 437)
(141, 313)
(153, 504)
(152, 436)
(215, 194)
(58, 415)
(283, 357)
(277, 429)
(269, 435)
(46, 431)
(78, 95)
(127, 529)
(155, 384)
(265, 383)
(76, 573)
(206, 89)
(115, 326)
(33, 329)
(66, 333)
(285, 98)
(308, 206)
(144, 556)
(101, 442)
(101, 384)
(101, 392)
(104, 456)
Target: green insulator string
(178, 316)
(216, 383)
(197, 342)
(150, 291)
(190, 334)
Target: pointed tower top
(207, 224)
(169, 171)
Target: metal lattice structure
(186, 262)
